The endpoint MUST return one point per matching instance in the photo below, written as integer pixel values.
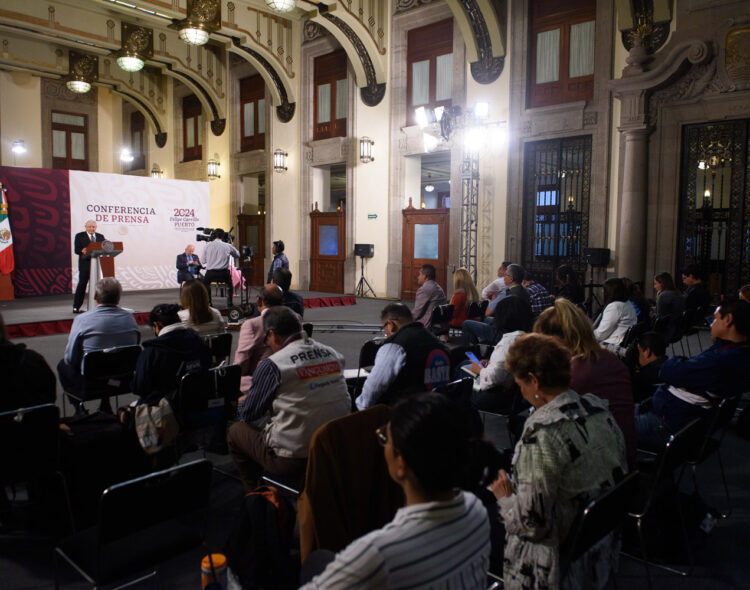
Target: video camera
(209, 233)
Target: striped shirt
(441, 545)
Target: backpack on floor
(258, 548)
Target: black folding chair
(142, 523)
(308, 328)
(106, 373)
(600, 517)
(220, 346)
(673, 456)
(30, 439)
(366, 360)
(440, 319)
(715, 427)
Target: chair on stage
(106, 373)
(30, 439)
(142, 523)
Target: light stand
(588, 304)
(360, 290)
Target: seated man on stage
(188, 265)
(252, 346)
(80, 244)
(411, 360)
(283, 278)
(105, 326)
(296, 390)
(218, 255)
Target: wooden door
(327, 254)
(425, 241)
(251, 231)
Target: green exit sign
(372, 216)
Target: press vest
(427, 364)
(312, 392)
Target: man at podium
(80, 243)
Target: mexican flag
(7, 263)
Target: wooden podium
(102, 260)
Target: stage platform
(44, 316)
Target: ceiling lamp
(281, 5)
(429, 188)
(137, 47)
(84, 69)
(203, 18)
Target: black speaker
(364, 250)
(596, 256)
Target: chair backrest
(714, 424)
(475, 309)
(220, 346)
(29, 439)
(308, 328)
(661, 324)
(440, 318)
(109, 371)
(226, 382)
(368, 352)
(139, 504)
(599, 518)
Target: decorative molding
(590, 118)
(372, 93)
(404, 5)
(311, 31)
(487, 68)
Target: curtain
(261, 116)
(324, 103)
(444, 77)
(582, 49)
(58, 144)
(190, 132)
(548, 56)
(77, 146)
(420, 82)
(249, 114)
(342, 99)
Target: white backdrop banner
(153, 218)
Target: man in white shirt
(217, 256)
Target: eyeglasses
(382, 434)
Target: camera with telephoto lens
(210, 233)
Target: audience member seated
(593, 369)
(296, 390)
(106, 326)
(569, 284)
(691, 386)
(283, 278)
(27, 379)
(638, 301)
(644, 375)
(571, 451)
(464, 293)
(617, 318)
(175, 351)
(669, 303)
(428, 296)
(252, 346)
(441, 538)
(411, 360)
(497, 287)
(493, 383)
(539, 297)
(697, 297)
(196, 313)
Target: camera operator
(216, 256)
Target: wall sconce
(137, 47)
(365, 150)
(156, 172)
(18, 147)
(212, 168)
(126, 155)
(423, 205)
(279, 160)
(203, 18)
(84, 70)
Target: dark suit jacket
(80, 241)
(294, 302)
(183, 274)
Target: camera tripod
(360, 290)
(591, 298)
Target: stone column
(631, 239)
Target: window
(192, 129)
(252, 113)
(429, 59)
(562, 51)
(137, 141)
(70, 150)
(331, 95)
(557, 180)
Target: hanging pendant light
(203, 18)
(84, 69)
(281, 5)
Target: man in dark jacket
(411, 360)
(283, 278)
(175, 351)
(692, 386)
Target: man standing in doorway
(80, 247)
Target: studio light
(18, 147)
(126, 155)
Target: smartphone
(473, 358)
